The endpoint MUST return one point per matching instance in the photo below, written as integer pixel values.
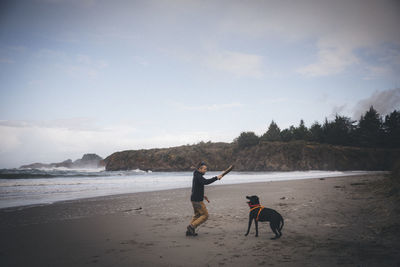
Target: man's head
(202, 167)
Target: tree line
(372, 130)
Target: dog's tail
(281, 225)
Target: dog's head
(253, 200)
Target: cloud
(388, 63)
(384, 102)
(24, 142)
(338, 110)
(239, 64)
(211, 107)
(373, 72)
(77, 123)
(277, 100)
(74, 65)
(84, 66)
(214, 58)
(332, 59)
(339, 28)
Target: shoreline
(342, 221)
(222, 183)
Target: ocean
(27, 187)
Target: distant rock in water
(88, 161)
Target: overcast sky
(103, 76)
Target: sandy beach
(346, 221)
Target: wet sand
(346, 221)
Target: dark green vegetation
(341, 144)
(370, 131)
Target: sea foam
(34, 187)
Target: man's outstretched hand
(225, 172)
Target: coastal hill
(265, 156)
(372, 143)
(87, 161)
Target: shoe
(190, 234)
(190, 230)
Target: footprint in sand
(128, 242)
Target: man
(197, 197)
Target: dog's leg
(279, 231)
(274, 228)
(281, 223)
(248, 229)
(256, 223)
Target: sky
(95, 76)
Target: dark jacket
(198, 185)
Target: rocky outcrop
(266, 156)
(88, 161)
(181, 158)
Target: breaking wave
(26, 187)
(62, 172)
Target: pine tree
(247, 139)
(391, 128)
(287, 135)
(316, 132)
(342, 131)
(301, 132)
(273, 133)
(370, 129)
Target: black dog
(259, 213)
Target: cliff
(87, 161)
(266, 156)
(180, 158)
